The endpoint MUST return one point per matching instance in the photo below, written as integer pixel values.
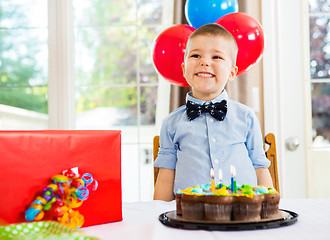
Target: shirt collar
(222, 96)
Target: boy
(211, 131)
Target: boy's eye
(195, 56)
(217, 57)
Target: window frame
(61, 86)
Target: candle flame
(232, 170)
(212, 173)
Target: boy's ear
(183, 70)
(233, 73)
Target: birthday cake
(223, 203)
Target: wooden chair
(272, 157)
(270, 154)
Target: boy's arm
(263, 177)
(164, 185)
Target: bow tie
(217, 110)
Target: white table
(140, 221)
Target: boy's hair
(216, 30)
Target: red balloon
(168, 53)
(249, 37)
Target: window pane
(105, 56)
(104, 13)
(20, 119)
(148, 105)
(150, 11)
(319, 6)
(105, 108)
(320, 47)
(23, 108)
(147, 69)
(23, 13)
(321, 113)
(30, 98)
(23, 57)
(23, 64)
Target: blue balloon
(201, 12)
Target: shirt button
(211, 120)
(216, 161)
(213, 140)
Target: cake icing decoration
(272, 190)
(206, 187)
(261, 189)
(197, 190)
(222, 191)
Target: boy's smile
(208, 65)
(205, 74)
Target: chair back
(156, 148)
(272, 157)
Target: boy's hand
(164, 185)
(263, 177)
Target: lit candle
(220, 178)
(233, 180)
(212, 180)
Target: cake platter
(171, 219)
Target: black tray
(172, 220)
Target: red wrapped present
(28, 159)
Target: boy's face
(208, 65)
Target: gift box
(29, 159)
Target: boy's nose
(204, 63)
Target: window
(116, 83)
(23, 64)
(99, 62)
(320, 70)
